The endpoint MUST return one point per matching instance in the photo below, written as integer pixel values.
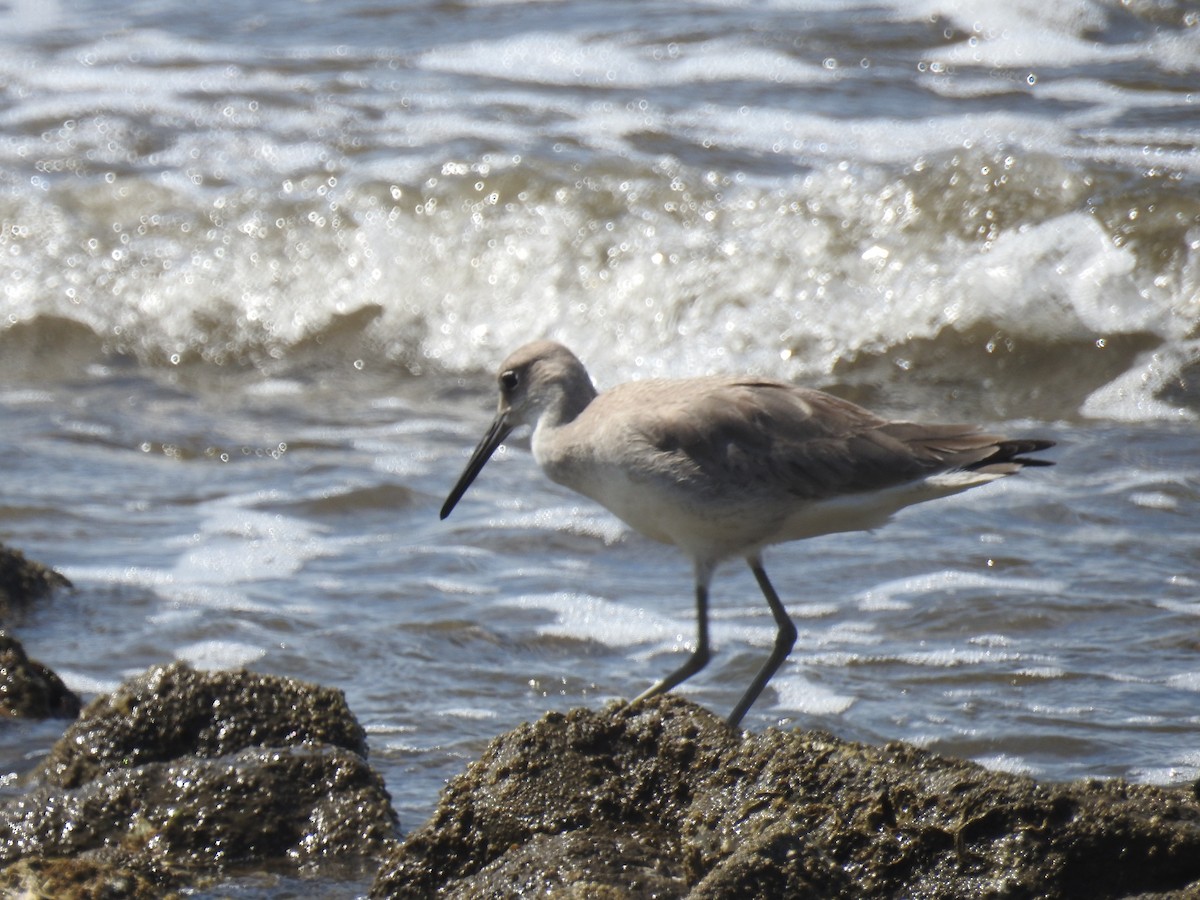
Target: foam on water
(1187, 607)
(1188, 681)
(218, 655)
(475, 713)
(1132, 396)
(235, 545)
(1002, 762)
(885, 596)
(810, 698)
(1026, 32)
(593, 618)
(667, 206)
(957, 656)
(85, 684)
(1038, 35)
(552, 58)
(22, 17)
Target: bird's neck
(551, 431)
(567, 405)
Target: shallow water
(258, 267)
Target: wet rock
(662, 799)
(303, 804)
(173, 711)
(182, 775)
(22, 580)
(29, 689)
(78, 879)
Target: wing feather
(752, 436)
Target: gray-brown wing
(769, 436)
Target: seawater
(259, 264)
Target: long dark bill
(493, 439)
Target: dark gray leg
(700, 656)
(785, 638)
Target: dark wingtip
(1012, 452)
(1032, 445)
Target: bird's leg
(700, 656)
(784, 639)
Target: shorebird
(724, 466)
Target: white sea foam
(584, 617)
(1132, 396)
(1188, 681)
(1177, 774)
(888, 594)
(554, 58)
(1003, 762)
(238, 545)
(806, 697)
(473, 713)
(951, 657)
(220, 654)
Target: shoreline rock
(29, 689)
(22, 580)
(174, 711)
(180, 777)
(662, 799)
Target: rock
(174, 711)
(662, 799)
(22, 580)
(181, 775)
(303, 804)
(30, 690)
(71, 879)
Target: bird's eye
(508, 380)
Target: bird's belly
(715, 529)
(641, 509)
(718, 526)
(870, 509)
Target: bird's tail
(1011, 452)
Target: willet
(724, 466)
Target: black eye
(509, 380)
